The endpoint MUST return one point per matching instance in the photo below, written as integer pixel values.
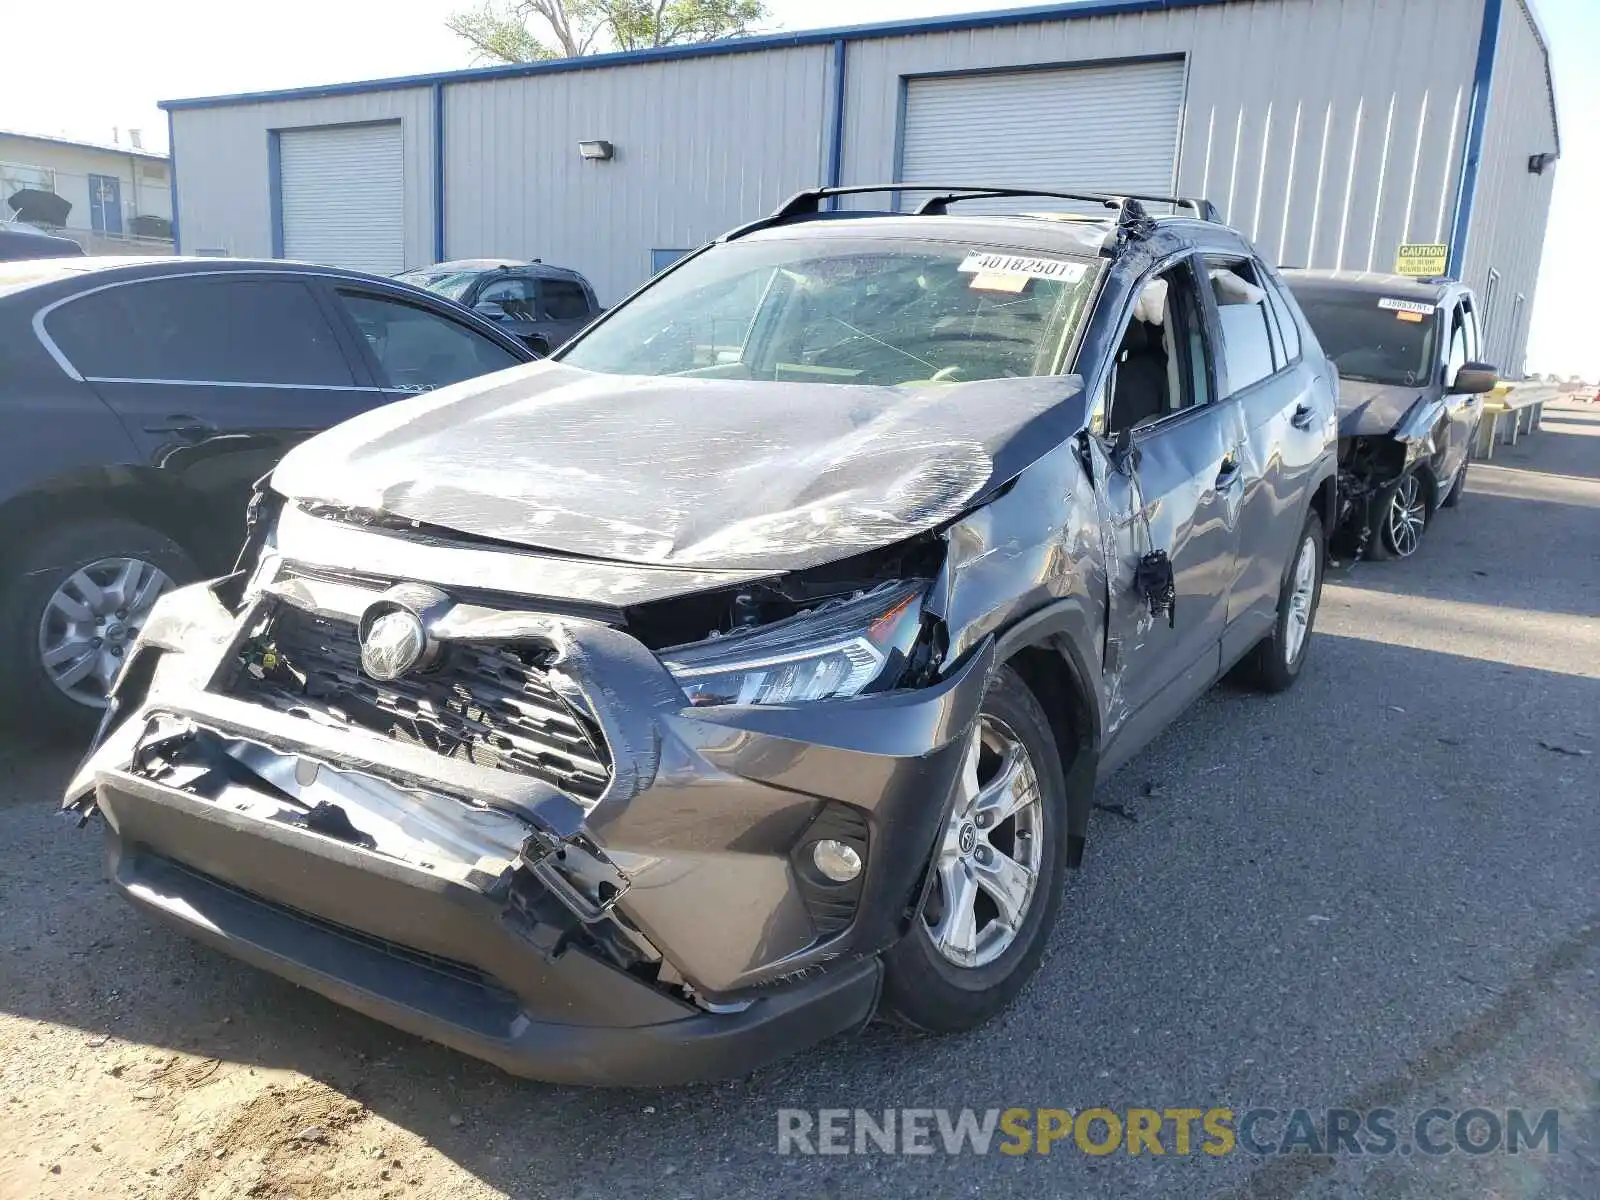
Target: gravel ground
(1375, 891)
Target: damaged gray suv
(747, 668)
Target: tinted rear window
(202, 329)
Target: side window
(516, 295)
(1162, 365)
(215, 329)
(1474, 345)
(1283, 312)
(418, 349)
(564, 299)
(1250, 349)
(1457, 355)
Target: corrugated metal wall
(224, 185)
(702, 144)
(1328, 130)
(1512, 204)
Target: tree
(514, 31)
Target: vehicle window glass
(1162, 364)
(564, 300)
(418, 349)
(1249, 349)
(516, 295)
(202, 328)
(846, 310)
(450, 284)
(1474, 346)
(1371, 337)
(1288, 327)
(1457, 356)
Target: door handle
(184, 426)
(1302, 416)
(1228, 474)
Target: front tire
(997, 874)
(1401, 520)
(71, 609)
(1275, 662)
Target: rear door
(413, 347)
(1284, 438)
(214, 375)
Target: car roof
(542, 269)
(37, 273)
(1063, 233)
(1401, 287)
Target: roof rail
(1127, 205)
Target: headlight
(836, 650)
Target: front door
(1169, 473)
(105, 204)
(1463, 408)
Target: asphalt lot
(1378, 890)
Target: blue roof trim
(275, 190)
(438, 172)
(1472, 151)
(744, 45)
(836, 131)
(172, 188)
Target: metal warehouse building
(1330, 131)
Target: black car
(140, 399)
(1410, 378)
(747, 668)
(541, 304)
(19, 242)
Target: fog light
(839, 861)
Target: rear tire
(1015, 754)
(1275, 662)
(47, 608)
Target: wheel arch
(135, 493)
(1044, 652)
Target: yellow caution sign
(1422, 258)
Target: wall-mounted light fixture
(1538, 162)
(597, 151)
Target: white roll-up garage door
(343, 196)
(1105, 129)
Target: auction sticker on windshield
(1420, 307)
(1024, 267)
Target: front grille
(483, 703)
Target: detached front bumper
(741, 957)
(439, 959)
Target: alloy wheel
(986, 874)
(1406, 517)
(92, 619)
(1302, 594)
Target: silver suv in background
(541, 305)
(1410, 378)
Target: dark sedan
(140, 399)
(538, 303)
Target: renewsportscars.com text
(1180, 1131)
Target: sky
(105, 69)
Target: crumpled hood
(1366, 409)
(687, 472)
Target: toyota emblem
(392, 645)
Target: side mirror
(492, 309)
(1474, 378)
